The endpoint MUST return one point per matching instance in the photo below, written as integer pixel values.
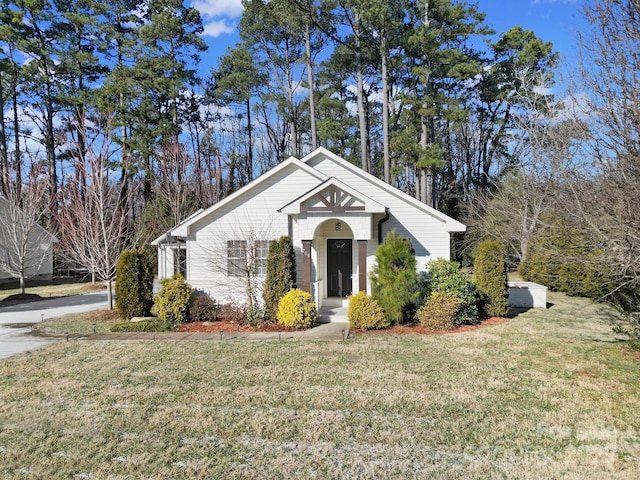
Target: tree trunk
(362, 119)
(109, 294)
(312, 105)
(385, 106)
(250, 140)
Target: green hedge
(134, 284)
(490, 274)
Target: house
(26, 249)
(335, 213)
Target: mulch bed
(224, 326)
(418, 329)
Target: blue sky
(551, 20)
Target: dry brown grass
(551, 394)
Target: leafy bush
(490, 273)
(257, 316)
(281, 274)
(297, 309)
(173, 302)
(364, 312)
(204, 309)
(394, 280)
(235, 313)
(134, 284)
(439, 311)
(445, 276)
(144, 326)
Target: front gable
(332, 196)
(325, 161)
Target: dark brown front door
(339, 267)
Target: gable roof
(182, 229)
(451, 224)
(339, 193)
(371, 206)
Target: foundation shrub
(394, 279)
(445, 276)
(144, 326)
(204, 309)
(490, 274)
(439, 311)
(281, 274)
(134, 284)
(297, 309)
(364, 312)
(234, 313)
(174, 300)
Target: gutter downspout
(380, 222)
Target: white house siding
(427, 233)
(39, 258)
(253, 214)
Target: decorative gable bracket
(332, 200)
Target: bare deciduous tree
(94, 220)
(24, 244)
(605, 198)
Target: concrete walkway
(333, 331)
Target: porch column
(362, 265)
(306, 266)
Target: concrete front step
(329, 314)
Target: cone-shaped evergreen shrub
(281, 274)
(364, 312)
(173, 302)
(394, 280)
(297, 309)
(490, 273)
(134, 284)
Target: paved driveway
(16, 320)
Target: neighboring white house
(335, 213)
(24, 245)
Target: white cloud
(216, 15)
(218, 8)
(216, 28)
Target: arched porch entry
(335, 260)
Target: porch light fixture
(338, 226)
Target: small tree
(281, 274)
(490, 272)
(23, 243)
(134, 284)
(394, 279)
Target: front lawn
(550, 394)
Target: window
(239, 259)
(261, 252)
(236, 257)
